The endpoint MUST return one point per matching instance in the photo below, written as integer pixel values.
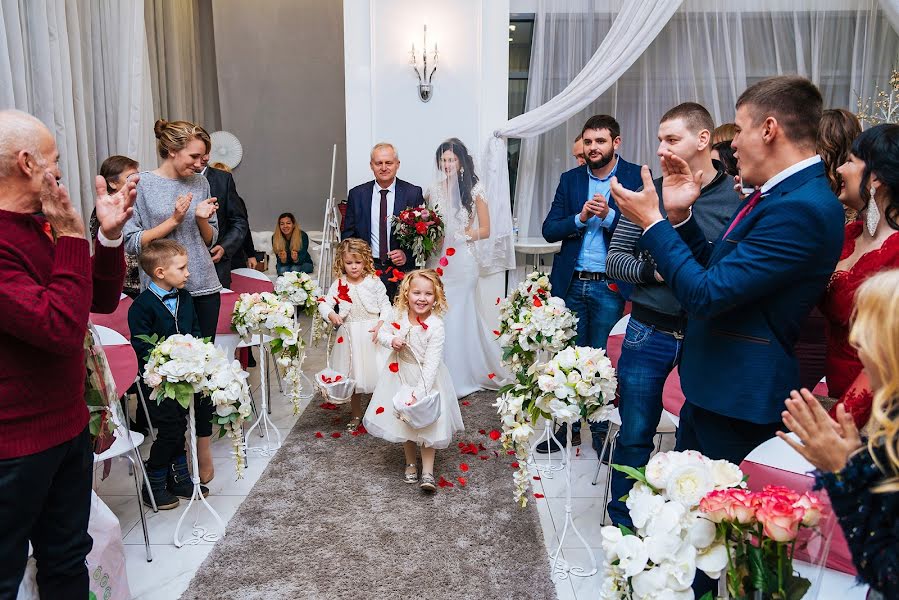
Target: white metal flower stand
(308, 389)
(263, 417)
(561, 567)
(198, 532)
(547, 467)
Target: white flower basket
(336, 387)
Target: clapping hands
(114, 210)
(597, 205)
(825, 443)
(206, 208)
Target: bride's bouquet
(300, 290)
(421, 229)
(181, 365)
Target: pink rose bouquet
(760, 530)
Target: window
(521, 35)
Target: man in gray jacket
(654, 339)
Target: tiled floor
(168, 575)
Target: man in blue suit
(748, 293)
(583, 217)
(368, 211)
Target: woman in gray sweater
(173, 202)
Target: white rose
(666, 520)
(701, 532)
(725, 474)
(153, 380)
(688, 484)
(611, 537)
(650, 583)
(642, 504)
(658, 469)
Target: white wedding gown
(471, 352)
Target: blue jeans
(647, 358)
(598, 308)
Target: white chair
(251, 273)
(665, 427)
(126, 445)
(111, 337)
(620, 327)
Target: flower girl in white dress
(356, 304)
(416, 335)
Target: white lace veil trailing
(467, 209)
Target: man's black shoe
(547, 446)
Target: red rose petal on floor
(361, 430)
(538, 495)
(482, 431)
(465, 403)
(340, 340)
(379, 410)
(462, 481)
(491, 375)
(319, 434)
(483, 457)
(439, 271)
(335, 435)
(536, 478)
(444, 483)
(510, 452)
(443, 261)
(482, 448)
(495, 435)
(395, 325)
(463, 467)
(450, 251)
(394, 367)
(354, 433)
(462, 444)
(329, 406)
(515, 465)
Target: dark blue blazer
(357, 222)
(747, 295)
(571, 195)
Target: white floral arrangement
(180, 366)
(547, 326)
(300, 290)
(673, 537)
(268, 315)
(532, 292)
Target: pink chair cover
(761, 475)
(117, 320)
(123, 364)
(247, 285)
(225, 311)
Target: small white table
(536, 247)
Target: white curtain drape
(75, 66)
(708, 52)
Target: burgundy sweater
(46, 293)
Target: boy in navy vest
(165, 308)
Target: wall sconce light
(421, 68)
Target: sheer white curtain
(708, 52)
(76, 66)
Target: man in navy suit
(748, 293)
(369, 207)
(583, 217)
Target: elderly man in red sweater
(49, 285)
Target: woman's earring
(462, 170)
(872, 216)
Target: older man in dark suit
(369, 207)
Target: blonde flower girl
(415, 334)
(356, 304)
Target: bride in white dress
(472, 354)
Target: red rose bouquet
(421, 229)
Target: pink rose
(780, 519)
(742, 506)
(781, 492)
(715, 505)
(812, 507)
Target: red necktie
(382, 228)
(753, 200)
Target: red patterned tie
(382, 228)
(753, 200)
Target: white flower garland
(268, 315)
(181, 365)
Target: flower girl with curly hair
(356, 304)
(415, 372)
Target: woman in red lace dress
(870, 186)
